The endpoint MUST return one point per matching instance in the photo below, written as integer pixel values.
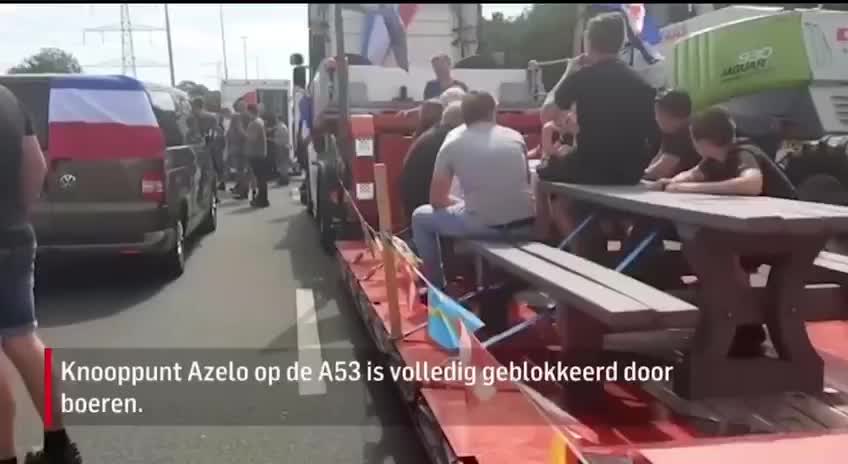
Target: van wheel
(210, 223)
(175, 259)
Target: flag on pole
(643, 24)
(443, 316)
(473, 353)
(384, 31)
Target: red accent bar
(48, 388)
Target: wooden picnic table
(715, 231)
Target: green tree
(543, 32)
(193, 89)
(48, 60)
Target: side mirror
(296, 59)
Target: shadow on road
(79, 289)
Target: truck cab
(376, 113)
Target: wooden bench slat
(646, 294)
(836, 257)
(617, 311)
(832, 267)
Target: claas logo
(749, 61)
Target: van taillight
(153, 186)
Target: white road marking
(308, 343)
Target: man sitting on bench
(490, 162)
(732, 166)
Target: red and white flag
(99, 117)
(473, 353)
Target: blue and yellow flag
(443, 315)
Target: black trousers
(261, 170)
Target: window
(165, 110)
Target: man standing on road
(256, 149)
(204, 128)
(22, 171)
(490, 162)
(279, 134)
(236, 135)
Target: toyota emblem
(67, 181)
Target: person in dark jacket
(421, 157)
(22, 172)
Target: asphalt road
(239, 291)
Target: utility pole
(170, 49)
(223, 40)
(127, 49)
(244, 46)
(128, 62)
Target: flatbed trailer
(640, 424)
(359, 152)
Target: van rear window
(34, 95)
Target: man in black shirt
(615, 112)
(22, 171)
(677, 153)
(444, 80)
(729, 165)
(418, 166)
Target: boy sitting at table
(673, 112)
(731, 166)
(728, 166)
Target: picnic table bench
(714, 232)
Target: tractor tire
(822, 188)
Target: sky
(273, 31)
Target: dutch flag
(385, 29)
(97, 118)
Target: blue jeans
(429, 224)
(17, 302)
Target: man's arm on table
(663, 166)
(749, 181)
